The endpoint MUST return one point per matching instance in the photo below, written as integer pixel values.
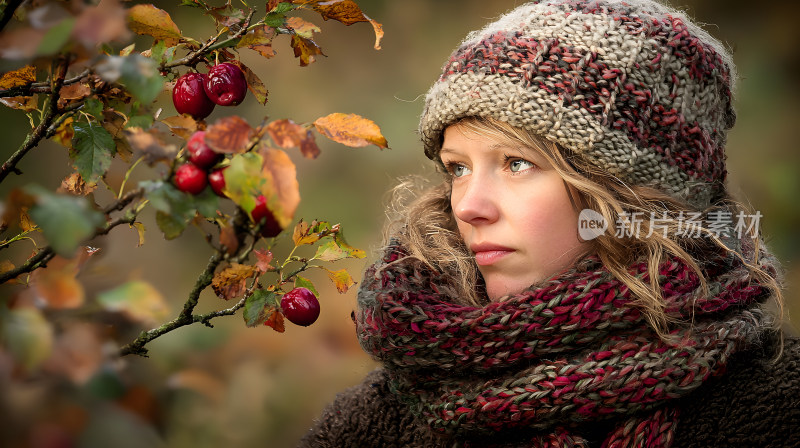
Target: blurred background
(240, 387)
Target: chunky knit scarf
(567, 351)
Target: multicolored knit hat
(632, 86)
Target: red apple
(300, 306)
(225, 84)
(200, 153)
(217, 181)
(189, 96)
(270, 227)
(190, 178)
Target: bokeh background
(238, 387)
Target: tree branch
(33, 139)
(8, 12)
(194, 57)
(40, 87)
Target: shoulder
(367, 415)
(755, 403)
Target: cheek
(552, 220)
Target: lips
(487, 254)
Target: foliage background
(239, 387)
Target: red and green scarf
(571, 350)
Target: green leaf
(27, 335)
(243, 180)
(275, 19)
(138, 300)
(141, 77)
(139, 121)
(65, 220)
(170, 225)
(174, 207)
(56, 37)
(157, 52)
(207, 203)
(94, 107)
(302, 282)
(341, 279)
(257, 307)
(92, 150)
(283, 7)
(351, 251)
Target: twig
(8, 12)
(37, 261)
(33, 139)
(193, 58)
(40, 87)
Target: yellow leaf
(64, 133)
(341, 279)
(351, 130)
(181, 125)
(23, 103)
(305, 49)
(140, 231)
(260, 40)
(138, 300)
(20, 77)
(149, 20)
(301, 27)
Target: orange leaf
(230, 282)
(275, 320)
(23, 103)
(281, 188)
(74, 184)
(100, 24)
(56, 283)
(6, 266)
(150, 144)
(181, 125)
(351, 130)
(263, 257)
(288, 134)
(229, 135)
(20, 77)
(149, 20)
(347, 12)
(259, 39)
(305, 49)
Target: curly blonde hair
(423, 222)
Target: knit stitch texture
(570, 350)
(633, 87)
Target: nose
(475, 201)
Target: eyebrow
(492, 147)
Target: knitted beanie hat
(633, 87)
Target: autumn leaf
(288, 134)
(305, 49)
(351, 130)
(229, 135)
(258, 307)
(181, 125)
(341, 279)
(345, 11)
(337, 250)
(20, 77)
(138, 300)
(231, 281)
(23, 103)
(301, 27)
(254, 83)
(74, 184)
(73, 92)
(150, 145)
(139, 231)
(6, 266)
(305, 233)
(101, 24)
(57, 285)
(64, 133)
(263, 259)
(281, 187)
(275, 321)
(151, 21)
(243, 179)
(259, 39)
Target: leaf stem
(48, 114)
(194, 57)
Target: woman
(581, 277)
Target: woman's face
(512, 210)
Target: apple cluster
(193, 176)
(196, 93)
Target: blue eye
(457, 169)
(517, 165)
